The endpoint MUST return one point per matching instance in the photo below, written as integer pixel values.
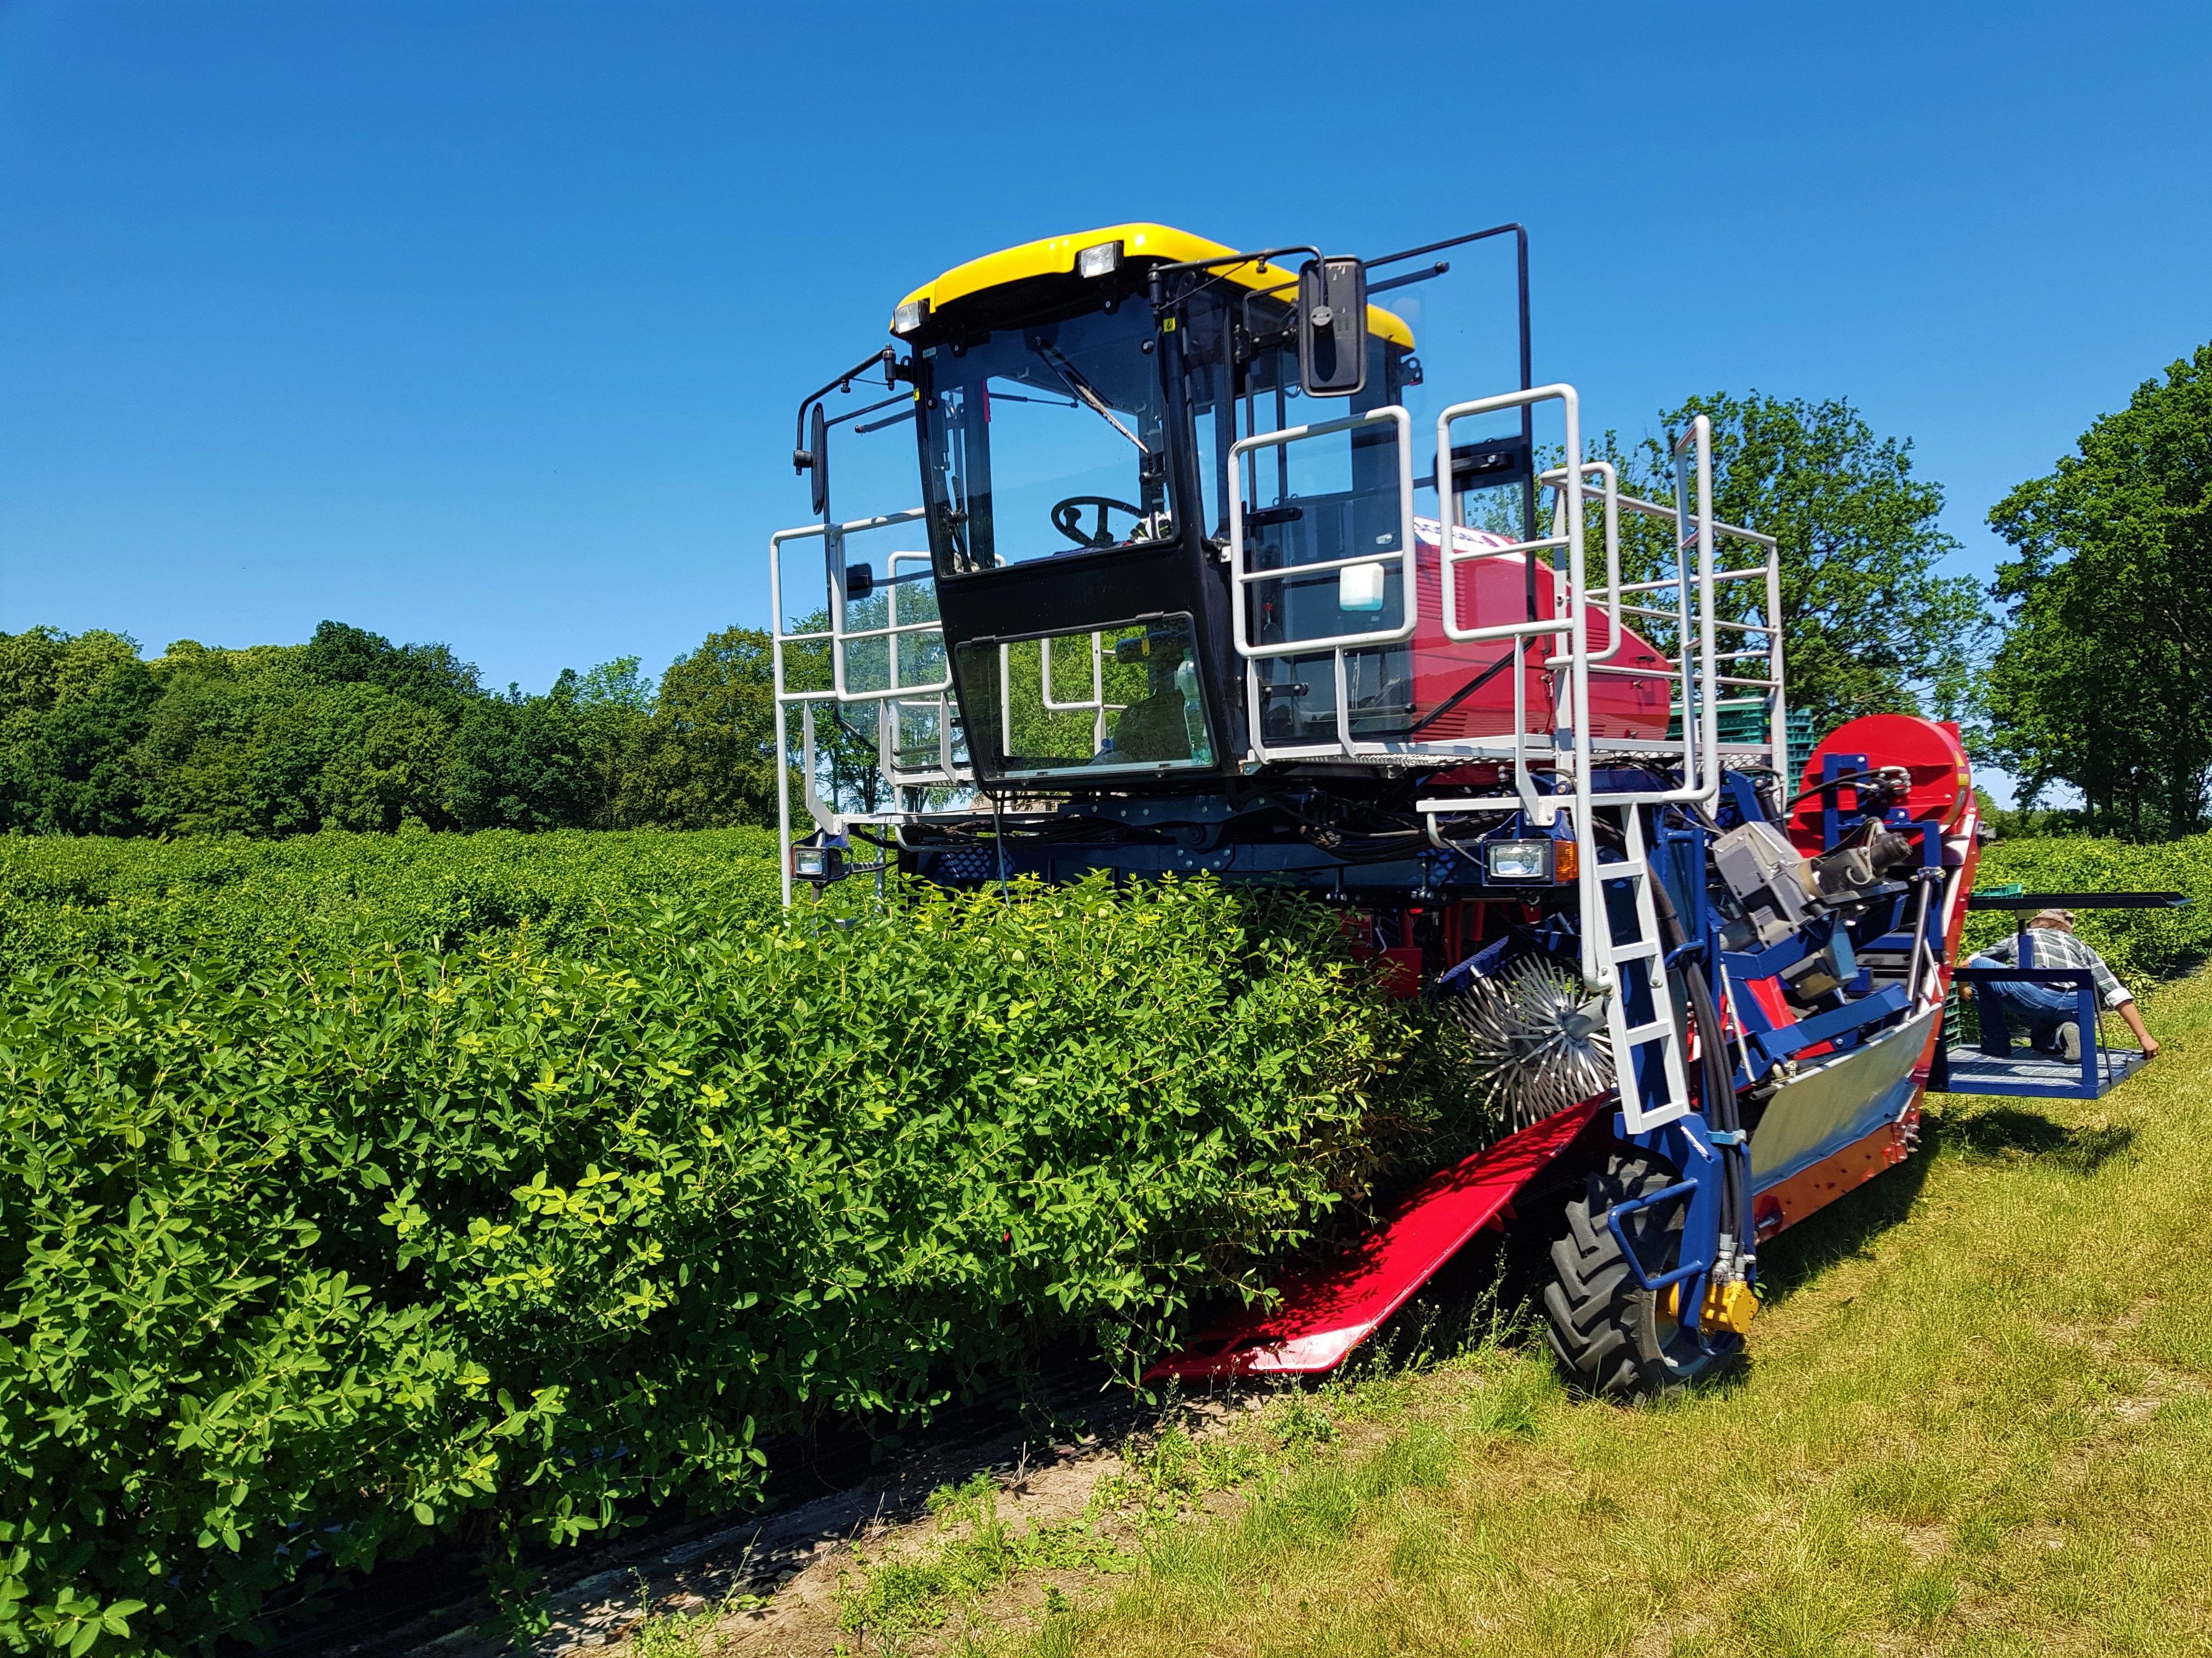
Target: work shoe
(2069, 1042)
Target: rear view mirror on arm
(1332, 325)
(818, 445)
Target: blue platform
(2041, 1075)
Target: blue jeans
(2039, 1009)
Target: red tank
(1931, 752)
(1492, 590)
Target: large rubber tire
(1615, 1339)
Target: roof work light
(1101, 260)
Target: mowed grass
(1978, 1420)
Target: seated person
(1152, 730)
(2048, 1013)
(1170, 723)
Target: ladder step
(1637, 1035)
(1642, 952)
(1623, 870)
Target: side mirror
(1333, 327)
(817, 446)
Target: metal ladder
(1641, 961)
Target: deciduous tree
(713, 735)
(72, 711)
(1871, 623)
(2104, 681)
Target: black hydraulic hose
(1843, 781)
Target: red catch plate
(1326, 1312)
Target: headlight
(1103, 260)
(817, 863)
(909, 318)
(1517, 860)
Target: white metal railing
(1243, 579)
(891, 701)
(1573, 626)
(932, 697)
(1570, 713)
(1692, 616)
(1695, 668)
(1551, 770)
(1095, 705)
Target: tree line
(351, 732)
(2091, 672)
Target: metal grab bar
(1719, 576)
(1633, 1206)
(891, 699)
(1541, 810)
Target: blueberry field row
(358, 1192)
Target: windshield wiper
(1082, 388)
(1042, 403)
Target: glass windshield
(1048, 438)
(1124, 699)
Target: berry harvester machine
(1190, 587)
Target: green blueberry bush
(357, 1192)
(310, 1256)
(64, 899)
(2140, 946)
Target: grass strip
(1988, 1431)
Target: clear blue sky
(484, 323)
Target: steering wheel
(1065, 514)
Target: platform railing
(890, 699)
(1766, 624)
(934, 696)
(1243, 579)
(2043, 1075)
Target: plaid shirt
(2049, 947)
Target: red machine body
(1930, 750)
(1627, 705)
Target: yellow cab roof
(1055, 256)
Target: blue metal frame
(1832, 825)
(1972, 1072)
(1687, 1144)
(1634, 1205)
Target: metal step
(1639, 962)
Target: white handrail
(1540, 809)
(837, 636)
(1407, 552)
(1242, 579)
(1609, 477)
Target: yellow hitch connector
(1730, 1306)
